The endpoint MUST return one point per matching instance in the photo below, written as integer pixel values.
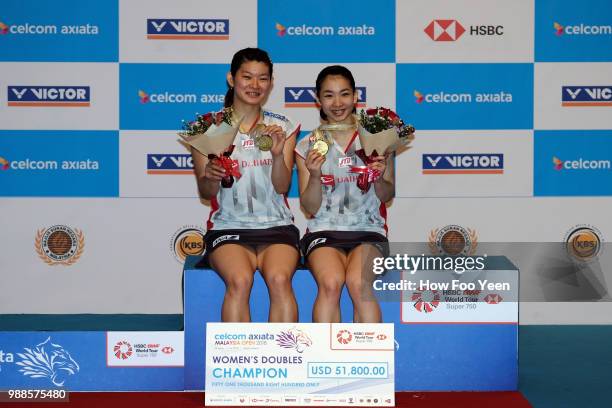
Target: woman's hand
(278, 136)
(213, 171)
(314, 161)
(380, 164)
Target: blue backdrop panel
(75, 361)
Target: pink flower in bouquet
(379, 119)
(205, 121)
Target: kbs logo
(59, 245)
(60, 96)
(586, 96)
(471, 163)
(187, 29)
(583, 242)
(306, 96)
(443, 97)
(453, 240)
(175, 98)
(188, 240)
(452, 30)
(582, 29)
(580, 164)
(169, 164)
(317, 31)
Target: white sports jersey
(252, 202)
(343, 206)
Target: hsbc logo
(493, 299)
(452, 30)
(306, 96)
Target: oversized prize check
(300, 364)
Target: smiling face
(337, 98)
(252, 83)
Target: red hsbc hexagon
(493, 299)
(444, 30)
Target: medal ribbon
(367, 175)
(230, 166)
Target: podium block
(456, 355)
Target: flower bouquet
(213, 134)
(381, 131)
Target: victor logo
(586, 96)
(169, 164)
(62, 96)
(187, 29)
(306, 96)
(464, 163)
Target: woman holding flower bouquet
(250, 225)
(344, 193)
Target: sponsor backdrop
(512, 102)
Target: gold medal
(264, 142)
(319, 142)
(320, 146)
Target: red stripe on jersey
(383, 213)
(295, 132)
(214, 207)
(351, 141)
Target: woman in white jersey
(250, 225)
(341, 216)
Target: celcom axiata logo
(582, 29)
(580, 164)
(307, 30)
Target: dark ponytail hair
(240, 57)
(334, 70)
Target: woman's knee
(239, 283)
(330, 286)
(279, 280)
(355, 285)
